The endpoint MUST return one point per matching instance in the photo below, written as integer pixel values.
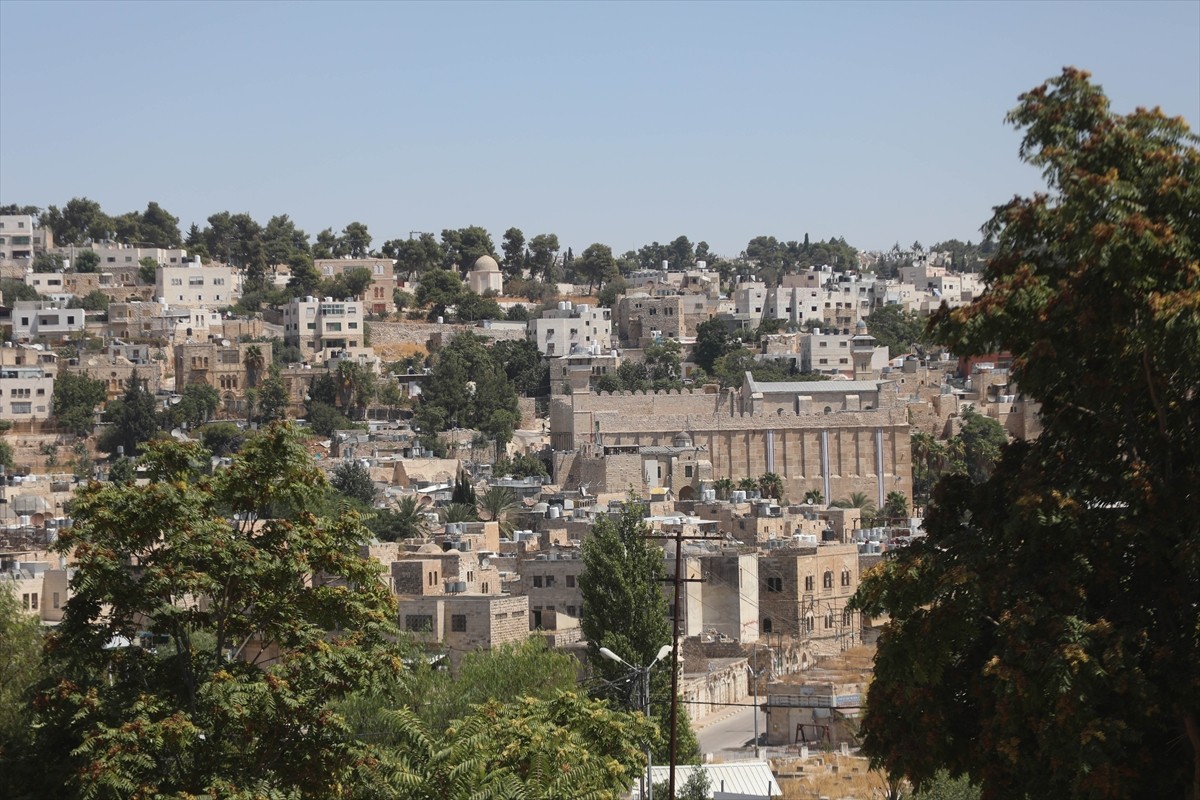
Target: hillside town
(759, 424)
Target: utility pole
(678, 580)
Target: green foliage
(148, 271)
(406, 521)
(74, 402)
(513, 263)
(712, 342)
(196, 406)
(698, 786)
(522, 465)
(1043, 636)
(625, 611)
(47, 262)
(473, 307)
(463, 491)
(897, 330)
(6, 454)
(498, 503)
(21, 633)
(460, 512)
(462, 247)
(543, 249)
(94, 300)
(132, 419)
(222, 438)
(596, 264)
(236, 701)
(86, 261)
(468, 388)
(438, 290)
(14, 290)
(524, 366)
(770, 485)
(80, 219)
(324, 419)
(612, 290)
(352, 479)
(895, 506)
(944, 787)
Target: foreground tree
(625, 611)
(74, 402)
(1044, 637)
(238, 584)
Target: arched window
(827, 579)
(845, 577)
(809, 623)
(847, 618)
(829, 620)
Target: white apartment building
(196, 286)
(570, 329)
(114, 255)
(32, 319)
(20, 240)
(833, 353)
(25, 392)
(315, 325)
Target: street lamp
(643, 674)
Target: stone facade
(847, 449)
(803, 593)
(462, 624)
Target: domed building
(485, 275)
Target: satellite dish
(38, 519)
(224, 343)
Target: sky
(616, 122)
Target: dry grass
(830, 776)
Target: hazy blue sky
(621, 123)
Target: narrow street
(730, 733)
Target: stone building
(838, 437)
(226, 366)
(485, 276)
(550, 580)
(803, 593)
(462, 624)
(377, 297)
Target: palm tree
(895, 506)
(771, 485)
(406, 521)
(813, 497)
(254, 363)
(459, 512)
(748, 484)
(498, 503)
(858, 500)
(723, 486)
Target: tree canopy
(625, 611)
(1043, 637)
(233, 697)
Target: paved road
(730, 732)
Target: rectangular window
(56, 601)
(22, 408)
(687, 472)
(458, 623)
(774, 584)
(418, 622)
(570, 581)
(537, 581)
(808, 583)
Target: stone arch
(687, 493)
